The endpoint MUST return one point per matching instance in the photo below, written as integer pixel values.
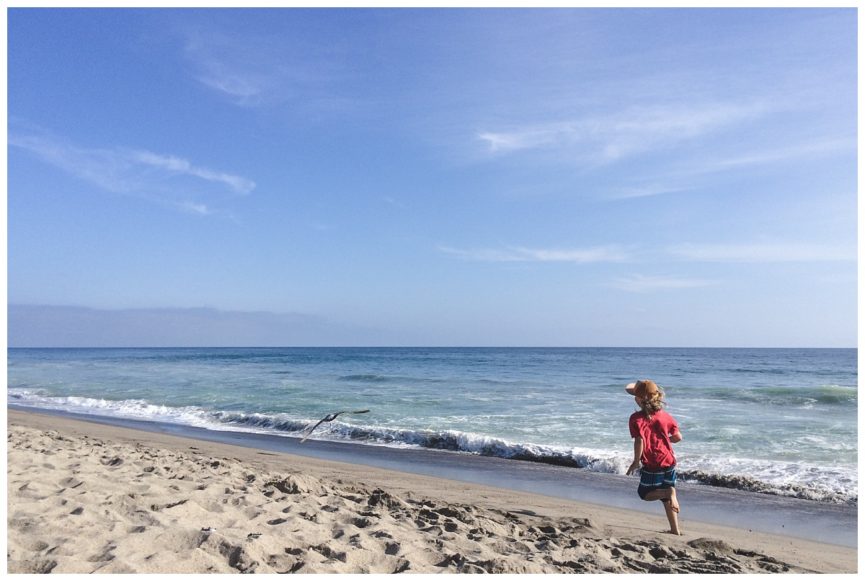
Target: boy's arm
(638, 452)
(675, 435)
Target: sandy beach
(84, 497)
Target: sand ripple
(83, 505)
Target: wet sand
(85, 497)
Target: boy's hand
(633, 468)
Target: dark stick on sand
(329, 418)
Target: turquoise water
(780, 421)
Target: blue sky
(549, 177)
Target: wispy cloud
(228, 69)
(156, 177)
(732, 253)
(786, 252)
(814, 148)
(520, 254)
(639, 283)
(616, 136)
(788, 153)
(693, 175)
(645, 191)
(176, 165)
(253, 70)
(195, 208)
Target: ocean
(774, 421)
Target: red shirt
(655, 432)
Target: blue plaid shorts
(655, 480)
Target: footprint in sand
(402, 566)
(111, 462)
(34, 545)
(160, 507)
(104, 555)
(361, 523)
(70, 482)
(236, 556)
(283, 564)
(311, 517)
(330, 553)
(36, 566)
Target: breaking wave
(824, 394)
(783, 479)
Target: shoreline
(142, 492)
(788, 516)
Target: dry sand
(84, 497)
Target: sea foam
(835, 485)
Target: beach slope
(84, 497)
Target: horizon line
(418, 347)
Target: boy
(654, 431)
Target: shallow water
(780, 421)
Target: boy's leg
(671, 506)
(672, 517)
(664, 494)
(674, 500)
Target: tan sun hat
(642, 388)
